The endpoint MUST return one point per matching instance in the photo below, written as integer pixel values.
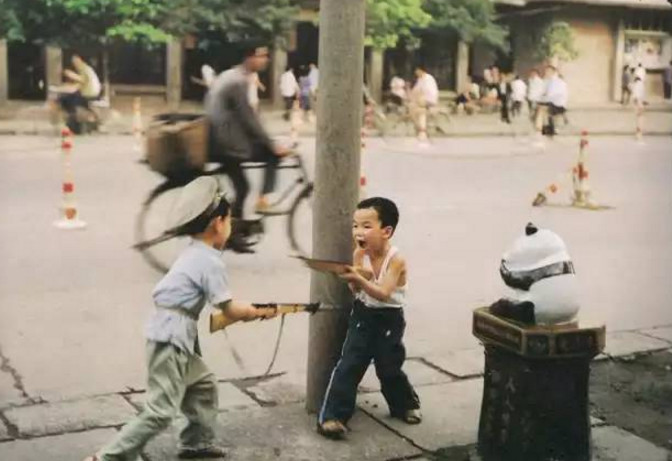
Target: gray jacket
(234, 125)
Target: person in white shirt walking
(555, 98)
(518, 92)
(535, 90)
(289, 89)
(424, 98)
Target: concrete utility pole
(339, 107)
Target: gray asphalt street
(73, 304)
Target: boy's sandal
(412, 417)
(210, 452)
(332, 429)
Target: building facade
(608, 35)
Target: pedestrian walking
(555, 97)
(378, 279)
(289, 89)
(306, 93)
(504, 95)
(535, 91)
(518, 93)
(667, 81)
(640, 72)
(177, 377)
(626, 82)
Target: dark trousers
(667, 89)
(504, 109)
(241, 186)
(553, 111)
(71, 101)
(289, 102)
(373, 334)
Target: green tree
(471, 20)
(389, 21)
(556, 41)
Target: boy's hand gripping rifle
(219, 320)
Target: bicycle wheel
(300, 222)
(152, 222)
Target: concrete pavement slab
(4, 432)
(620, 343)
(613, 444)
(664, 333)
(419, 373)
(66, 447)
(287, 433)
(450, 414)
(230, 397)
(286, 388)
(78, 415)
(464, 363)
(9, 395)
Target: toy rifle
(219, 320)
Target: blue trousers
(374, 334)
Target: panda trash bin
(535, 391)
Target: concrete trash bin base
(535, 391)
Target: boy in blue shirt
(378, 279)
(178, 378)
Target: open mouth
(361, 243)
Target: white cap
(194, 199)
(538, 248)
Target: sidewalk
(31, 117)
(264, 418)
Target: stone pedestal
(535, 390)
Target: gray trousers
(177, 380)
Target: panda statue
(540, 275)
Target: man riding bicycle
(237, 136)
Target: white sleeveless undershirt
(398, 297)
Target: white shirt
(398, 296)
(637, 89)
(518, 90)
(640, 72)
(535, 90)
(314, 77)
(288, 84)
(208, 75)
(556, 92)
(92, 86)
(398, 87)
(426, 90)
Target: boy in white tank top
(376, 325)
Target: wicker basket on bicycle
(177, 144)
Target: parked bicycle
(294, 201)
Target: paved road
(73, 304)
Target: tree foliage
(388, 21)
(77, 22)
(391, 21)
(471, 20)
(557, 42)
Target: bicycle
(437, 118)
(295, 202)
